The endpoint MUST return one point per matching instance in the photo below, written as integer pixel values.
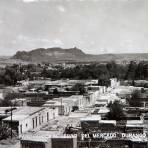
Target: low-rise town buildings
(24, 119)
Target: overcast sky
(95, 26)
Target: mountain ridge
(57, 54)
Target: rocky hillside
(74, 55)
(50, 55)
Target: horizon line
(75, 47)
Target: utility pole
(89, 143)
(11, 121)
(53, 112)
(62, 111)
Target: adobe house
(29, 118)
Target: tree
(139, 73)
(131, 72)
(135, 94)
(74, 108)
(116, 111)
(5, 103)
(12, 75)
(55, 91)
(79, 87)
(4, 132)
(45, 73)
(133, 100)
(104, 80)
(112, 68)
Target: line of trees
(137, 71)
(92, 71)
(103, 72)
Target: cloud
(30, 1)
(61, 8)
(1, 21)
(30, 40)
(58, 42)
(32, 43)
(94, 27)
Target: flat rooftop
(134, 122)
(91, 118)
(2, 109)
(108, 122)
(78, 114)
(27, 110)
(51, 103)
(7, 110)
(60, 123)
(103, 110)
(42, 136)
(15, 118)
(23, 112)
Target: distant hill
(7, 61)
(74, 55)
(50, 55)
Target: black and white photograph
(73, 73)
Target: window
(33, 123)
(21, 129)
(36, 121)
(39, 120)
(42, 119)
(47, 116)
